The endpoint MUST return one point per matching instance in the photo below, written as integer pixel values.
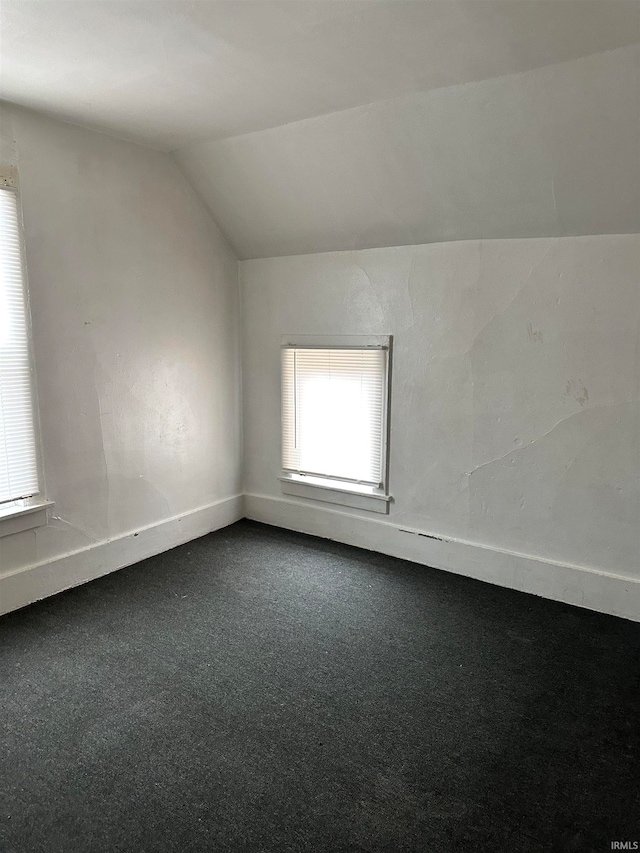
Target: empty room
(319, 426)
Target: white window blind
(333, 412)
(18, 466)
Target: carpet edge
(583, 586)
(42, 580)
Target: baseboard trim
(26, 585)
(583, 586)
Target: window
(18, 457)
(334, 420)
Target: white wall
(515, 406)
(515, 388)
(134, 306)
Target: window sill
(16, 518)
(335, 492)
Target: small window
(18, 457)
(334, 418)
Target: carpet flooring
(260, 690)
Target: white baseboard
(33, 583)
(580, 585)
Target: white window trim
(343, 492)
(23, 515)
(329, 489)
(26, 513)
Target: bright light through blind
(333, 412)
(18, 470)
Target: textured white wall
(515, 399)
(515, 406)
(134, 305)
(547, 153)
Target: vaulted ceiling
(310, 126)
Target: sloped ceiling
(551, 152)
(163, 73)
(309, 126)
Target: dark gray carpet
(258, 690)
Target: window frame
(27, 513)
(332, 489)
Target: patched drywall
(549, 152)
(134, 308)
(515, 412)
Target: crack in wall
(412, 267)
(371, 287)
(545, 434)
(73, 527)
(504, 310)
